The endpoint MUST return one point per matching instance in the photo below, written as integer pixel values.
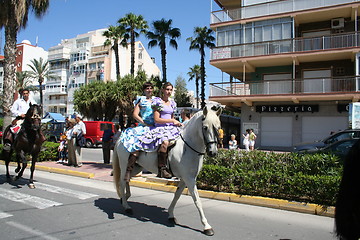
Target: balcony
(271, 8)
(338, 41)
(286, 87)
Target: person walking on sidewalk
(78, 131)
(106, 142)
(71, 141)
(252, 139)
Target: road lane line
(27, 199)
(65, 191)
(5, 215)
(31, 230)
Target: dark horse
(28, 141)
(347, 208)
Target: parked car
(346, 134)
(94, 132)
(340, 148)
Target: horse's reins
(199, 153)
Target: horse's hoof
(31, 185)
(209, 232)
(129, 211)
(15, 178)
(173, 220)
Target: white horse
(186, 159)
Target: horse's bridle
(207, 143)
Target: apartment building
(25, 52)
(85, 59)
(293, 66)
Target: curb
(170, 186)
(308, 208)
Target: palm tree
(23, 81)
(131, 23)
(13, 17)
(202, 38)
(162, 31)
(195, 73)
(113, 35)
(40, 71)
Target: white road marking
(33, 201)
(31, 230)
(5, 215)
(64, 191)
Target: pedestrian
(185, 116)
(221, 138)
(62, 149)
(246, 140)
(252, 138)
(232, 142)
(70, 138)
(106, 142)
(79, 132)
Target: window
(268, 30)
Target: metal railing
(344, 40)
(270, 8)
(291, 86)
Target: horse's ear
(30, 104)
(219, 111)
(205, 111)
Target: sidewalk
(101, 171)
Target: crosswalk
(40, 202)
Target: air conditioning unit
(337, 23)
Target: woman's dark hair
(165, 85)
(146, 85)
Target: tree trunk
(116, 51)
(9, 69)
(202, 52)
(132, 67)
(163, 63)
(197, 91)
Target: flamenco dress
(153, 138)
(130, 136)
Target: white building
(84, 59)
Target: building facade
(25, 52)
(85, 59)
(293, 66)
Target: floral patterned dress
(130, 136)
(152, 139)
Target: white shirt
(21, 106)
(80, 127)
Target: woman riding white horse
(185, 158)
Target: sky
(66, 19)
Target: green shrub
(301, 177)
(48, 152)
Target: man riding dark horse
(18, 110)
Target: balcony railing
(328, 42)
(270, 8)
(292, 86)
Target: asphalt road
(66, 207)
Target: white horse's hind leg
(195, 195)
(179, 190)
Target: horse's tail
(116, 170)
(347, 208)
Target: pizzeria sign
(287, 108)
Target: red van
(94, 132)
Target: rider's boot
(163, 170)
(131, 162)
(8, 140)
